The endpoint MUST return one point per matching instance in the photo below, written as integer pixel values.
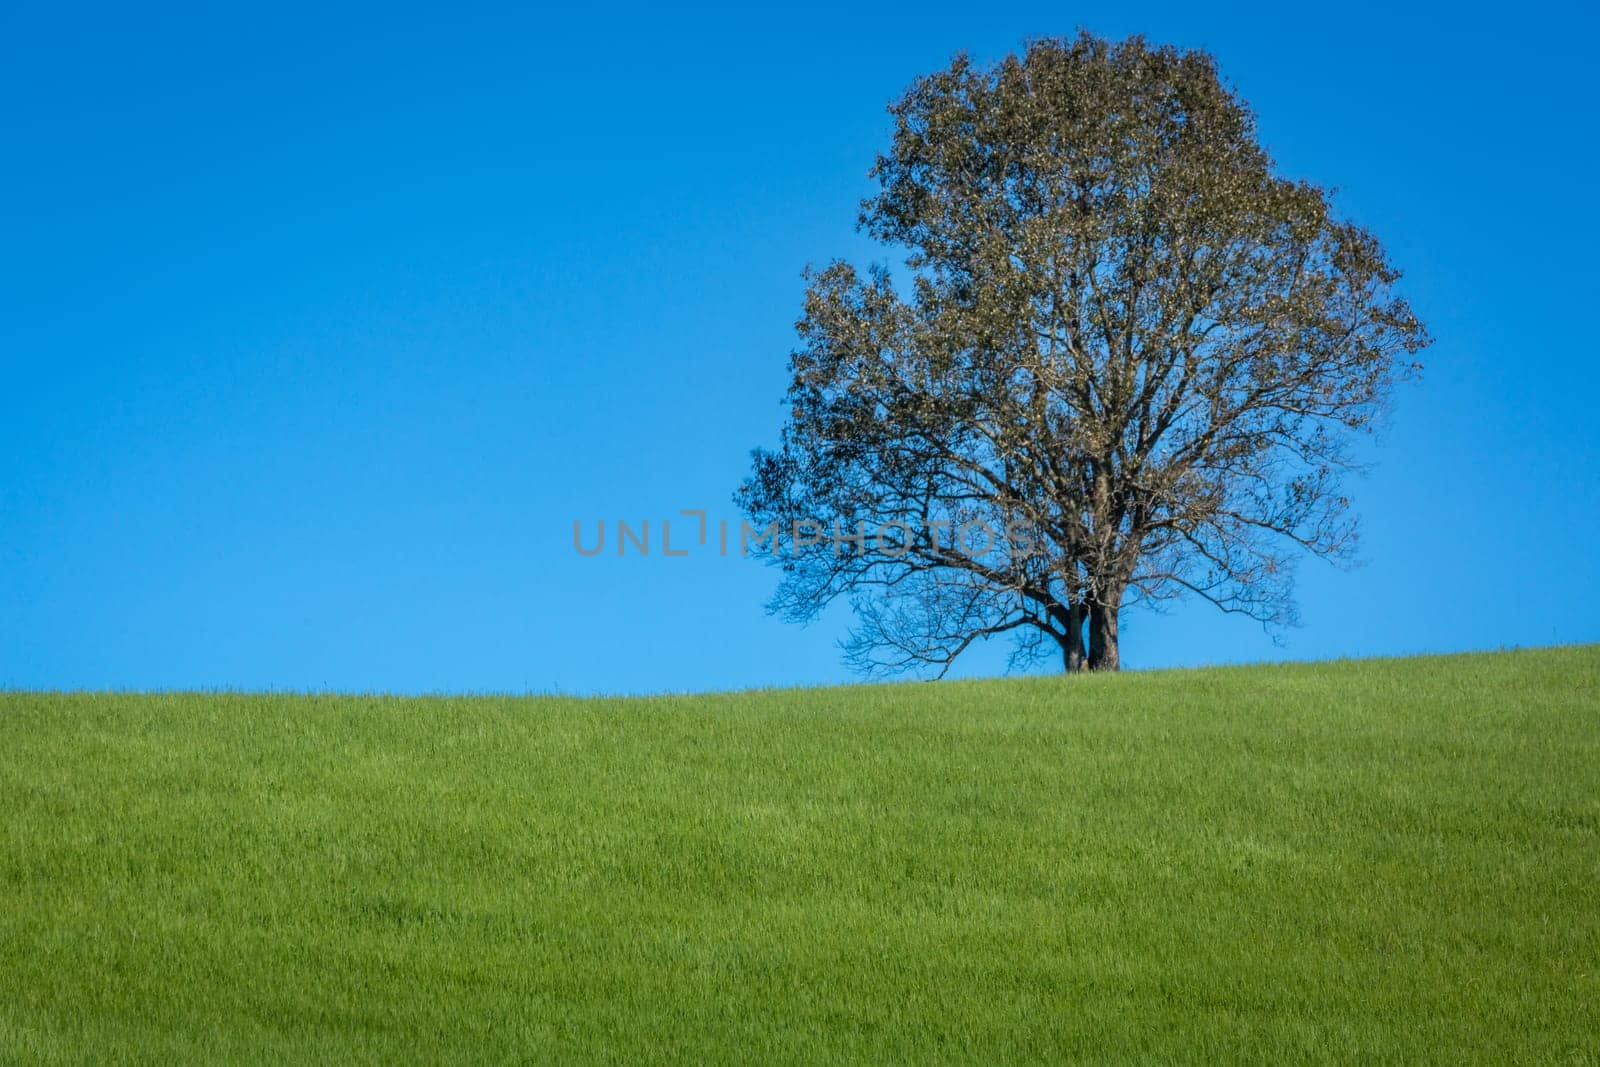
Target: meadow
(1377, 860)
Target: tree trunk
(1072, 647)
(1103, 637)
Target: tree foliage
(1123, 334)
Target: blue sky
(319, 328)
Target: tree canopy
(1128, 365)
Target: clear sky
(320, 326)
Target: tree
(1129, 350)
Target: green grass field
(1379, 860)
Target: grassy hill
(1375, 859)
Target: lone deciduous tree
(1124, 334)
